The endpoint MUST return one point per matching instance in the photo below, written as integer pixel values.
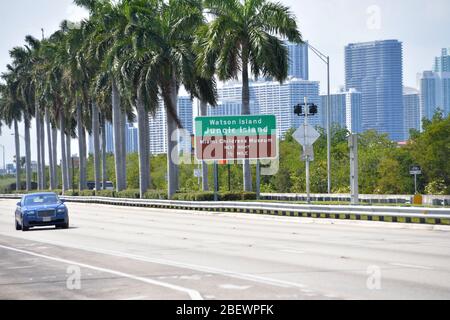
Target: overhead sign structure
(252, 137)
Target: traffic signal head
(298, 109)
(313, 109)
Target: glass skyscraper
(442, 63)
(158, 127)
(376, 70)
(298, 60)
(411, 109)
(273, 98)
(434, 93)
(345, 110)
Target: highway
(125, 253)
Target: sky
(329, 25)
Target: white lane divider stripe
(206, 269)
(193, 294)
(411, 266)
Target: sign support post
(308, 186)
(258, 180)
(354, 178)
(216, 181)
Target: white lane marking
(238, 275)
(193, 294)
(18, 268)
(411, 266)
(205, 269)
(293, 251)
(234, 287)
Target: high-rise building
(345, 109)
(132, 139)
(273, 98)
(411, 109)
(158, 127)
(376, 70)
(434, 93)
(442, 63)
(231, 108)
(298, 60)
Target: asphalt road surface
(134, 253)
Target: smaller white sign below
(197, 173)
(308, 153)
(306, 135)
(415, 170)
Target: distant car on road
(40, 210)
(108, 185)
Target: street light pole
(326, 60)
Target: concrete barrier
(420, 215)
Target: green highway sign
(236, 137)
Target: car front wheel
(18, 226)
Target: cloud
(76, 14)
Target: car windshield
(41, 199)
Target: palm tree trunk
(96, 138)
(43, 167)
(248, 187)
(28, 170)
(55, 156)
(51, 171)
(64, 169)
(103, 153)
(144, 168)
(116, 114)
(203, 113)
(38, 145)
(18, 162)
(172, 143)
(81, 148)
(69, 160)
(147, 143)
(123, 132)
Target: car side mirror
(62, 201)
(19, 204)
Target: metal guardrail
(367, 213)
(364, 198)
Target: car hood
(44, 207)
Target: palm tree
(244, 34)
(164, 34)
(21, 67)
(11, 114)
(108, 23)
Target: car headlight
(61, 210)
(30, 213)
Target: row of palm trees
(121, 62)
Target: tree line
(118, 65)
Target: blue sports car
(40, 210)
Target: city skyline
(363, 23)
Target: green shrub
(156, 195)
(57, 191)
(246, 196)
(87, 193)
(72, 193)
(128, 194)
(105, 193)
(230, 196)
